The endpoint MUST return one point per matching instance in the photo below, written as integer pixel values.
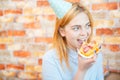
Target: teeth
(84, 40)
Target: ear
(62, 32)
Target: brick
(10, 11)
(42, 3)
(15, 67)
(9, 73)
(104, 31)
(50, 31)
(38, 68)
(24, 40)
(38, 10)
(26, 4)
(100, 31)
(114, 14)
(6, 19)
(27, 75)
(92, 1)
(3, 33)
(73, 1)
(112, 40)
(114, 48)
(8, 59)
(39, 18)
(105, 6)
(114, 71)
(40, 61)
(39, 39)
(16, 46)
(48, 11)
(114, 64)
(39, 54)
(12, 78)
(7, 5)
(25, 19)
(51, 17)
(117, 24)
(98, 39)
(32, 25)
(29, 68)
(16, 33)
(4, 53)
(0, 26)
(1, 13)
(33, 68)
(35, 32)
(117, 31)
(99, 14)
(27, 61)
(21, 53)
(20, 4)
(17, 0)
(110, 55)
(37, 48)
(108, 31)
(2, 46)
(28, 11)
(2, 66)
(103, 23)
(6, 40)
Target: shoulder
(51, 54)
(99, 57)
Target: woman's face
(77, 31)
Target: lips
(80, 41)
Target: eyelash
(77, 27)
(88, 26)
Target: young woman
(62, 62)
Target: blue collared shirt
(52, 70)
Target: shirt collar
(72, 53)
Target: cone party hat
(60, 7)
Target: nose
(83, 33)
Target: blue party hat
(60, 7)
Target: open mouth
(80, 41)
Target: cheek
(70, 36)
(89, 32)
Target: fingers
(85, 63)
(88, 60)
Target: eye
(88, 26)
(76, 27)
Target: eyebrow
(80, 25)
(75, 25)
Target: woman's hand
(85, 63)
(83, 66)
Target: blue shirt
(52, 70)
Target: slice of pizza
(88, 50)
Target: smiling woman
(73, 28)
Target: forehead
(80, 19)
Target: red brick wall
(26, 29)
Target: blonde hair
(59, 42)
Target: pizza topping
(88, 49)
